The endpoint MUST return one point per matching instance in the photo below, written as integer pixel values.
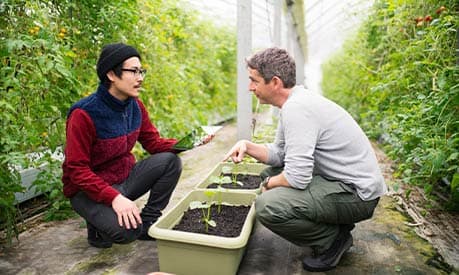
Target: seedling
(219, 192)
(220, 179)
(206, 215)
(229, 170)
(235, 181)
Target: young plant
(205, 208)
(229, 170)
(220, 180)
(235, 181)
(218, 192)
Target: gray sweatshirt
(315, 136)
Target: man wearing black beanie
(100, 174)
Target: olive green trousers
(311, 217)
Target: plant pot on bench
(243, 177)
(182, 252)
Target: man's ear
(111, 75)
(277, 82)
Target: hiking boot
(144, 233)
(96, 239)
(331, 257)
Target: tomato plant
(398, 77)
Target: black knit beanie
(112, 55)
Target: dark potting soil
(229, 221)
(249, 181)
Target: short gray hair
(274, 62)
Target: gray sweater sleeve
(276, 153)
(294, 145)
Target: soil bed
(229, 221)
(249, 181)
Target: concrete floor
(382, 245)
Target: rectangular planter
(242, 168)
(28, 176)
(184, 253)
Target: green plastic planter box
(185, 253)
(241, 168)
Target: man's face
(259, 88)
(128, 85)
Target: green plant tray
(241, 168)
(184, 253)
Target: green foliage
(191, 78)
(49, 183)
(8, 213)
(398, 78)
(48, 52)
(454, 203)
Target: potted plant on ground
(183, 252)
(243, 177)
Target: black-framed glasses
(136, 71)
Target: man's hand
(127, 212)
(207, 139)
(237, 153)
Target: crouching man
(324, 176)
(100, 174)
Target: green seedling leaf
(198, 205)
(211, 223)
(215, 179)
(226, 179)
(220, 179)
(227, 169)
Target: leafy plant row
(399, 78)
(48, 52)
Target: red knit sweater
(101, 132)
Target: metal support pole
(299, 61)
(295, 48)
(277, 4)
(244, 48)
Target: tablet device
(191, 140)
(195, 138)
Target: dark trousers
(158, 174)
(311, 217)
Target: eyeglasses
(136, 72)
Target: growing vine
(399, 78)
